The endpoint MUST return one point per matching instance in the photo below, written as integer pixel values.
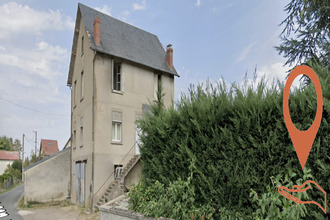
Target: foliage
(306, 34)
(238, 140)
(12, 172)
(29, 161)
(175, 201)
(272, 205)
(8, 144)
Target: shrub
(238, 139)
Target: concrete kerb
(110, 210)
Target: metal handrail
(114, 170)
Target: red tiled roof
(9, 155)
(48, 147)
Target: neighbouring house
(48, 147)
(114, 72)
(7, 158)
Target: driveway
(8, 202)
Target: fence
(8, 183)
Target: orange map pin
(302, 140)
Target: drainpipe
(93, 105)
(70, 185)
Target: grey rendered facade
(115, 68)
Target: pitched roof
(48, 147)
(9, 155)
(122, 40)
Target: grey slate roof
(125, 41)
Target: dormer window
(116, 77)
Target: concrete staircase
(116, 188)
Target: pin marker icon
(302, 140)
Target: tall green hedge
(237, 138)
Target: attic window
(116, 77)
(49, 144)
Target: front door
(80, 183)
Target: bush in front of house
(238, 140)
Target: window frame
(114, 77)
(82, 85)
(74, 139)
(82, 45)
(114, 130)
(74, 93)
(81, 144)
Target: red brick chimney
(97, 30)
(169, 56)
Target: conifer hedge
(237, 138)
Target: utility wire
(31, 109)
(29, 142)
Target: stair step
(119, 181)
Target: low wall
(48, 179)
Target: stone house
(114, 73)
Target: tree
(306, 33)
(4, 143)
(9, 145)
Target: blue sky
(211, 39)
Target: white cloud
(198, 3)
(245, 52)
(105, 9)
(277, 71)
(229, 5)
(124, 16)
(16, 18)
(141, 6)
(43, 60)
(271, 73)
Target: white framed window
(116, 129)
(117, 76)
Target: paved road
(8, 201)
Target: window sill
(116, 143)
(118, 92)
